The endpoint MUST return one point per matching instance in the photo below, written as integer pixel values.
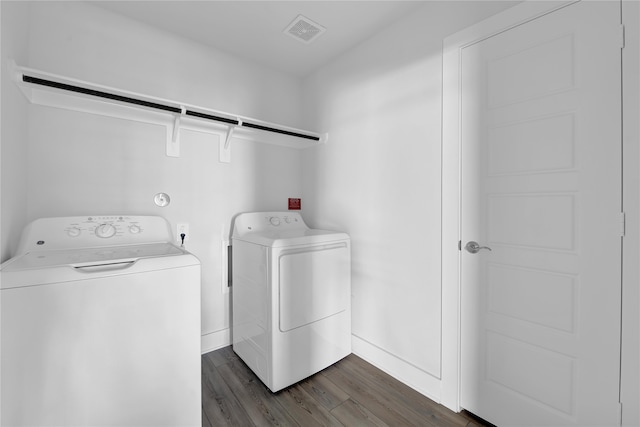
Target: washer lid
(85, 257)
(280, 238)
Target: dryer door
(314, 283)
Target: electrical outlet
(182, 227)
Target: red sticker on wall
(294, 204)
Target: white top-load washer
(291, 294)
(100, 325)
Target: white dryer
(100, 325)
(291, 294)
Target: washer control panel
(90, 231)
(105, 227)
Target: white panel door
(541, 187)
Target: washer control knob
(73, 232)
(134, 229)
(105, 231)
(287, 220)
(274, 220)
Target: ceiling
(254, 29)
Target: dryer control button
(274, 220)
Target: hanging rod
(98, 93)
(284, 132)
(158, 106)
(212, 117)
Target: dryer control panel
(90, 231)
(285, 220)
(265, 221)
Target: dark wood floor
(350, 393)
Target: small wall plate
(162, 199)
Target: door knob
(474, 247)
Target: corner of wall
(13, 139)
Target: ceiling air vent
(304, 29)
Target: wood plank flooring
(350, 393)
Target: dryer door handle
(317, 248)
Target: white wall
(13, 138)
(79, 40)
(83, 164)
(14, 25)
(378, 178)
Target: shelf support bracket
(173, 140)
(224, 154)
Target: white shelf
(72, 94)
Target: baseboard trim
(404, 372)
(408, 374)
(215, 340)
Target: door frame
(451, 182)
